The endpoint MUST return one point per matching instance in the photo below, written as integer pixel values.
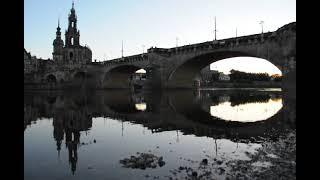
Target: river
(205, 134)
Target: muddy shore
(273, 160)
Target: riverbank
(253, 84)
(274, 160)
(65, 85)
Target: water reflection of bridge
(186, 111)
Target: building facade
(70, 52)
(31, 63)
(224, 77)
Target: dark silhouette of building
(71, 52)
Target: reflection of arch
(248, 112)
(184, 74)
(120, 76)
(51, 78)
(199, 110)
(122, 102)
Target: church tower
(58, 46)
(72, 35)
(70, 53)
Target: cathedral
(71, 52)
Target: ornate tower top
(58, 33)
(72, 34)
(57, 44)
(73, 11)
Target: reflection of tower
(215, 142)
(72, 141)
(58, 132)
(71, 122)
(177, 136)
(197, 94)
(121, 127)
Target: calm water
(84, 135)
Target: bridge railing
(256, 38)
(127, 59)
(205, 46)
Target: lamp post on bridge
(143, 49)
(215, 32)
(261, 22)
(237, 40)
(215, 29)
(236, 33)
(122, 49)
(177, 41)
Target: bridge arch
(184, 74)
(120, 76)
(51, 78)
(80, 75)
(82, 79)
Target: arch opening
(72, 41)
(126, 76)
(246, 64)
(139, 75)
(51, 78)
(142, 71)
(196, 71)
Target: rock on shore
(143, 161)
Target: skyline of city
(175, 26)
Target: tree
(276, 77)
(248, 77)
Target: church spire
(72, 4)
(72, 33)
(58, 28)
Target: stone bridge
(179, 67)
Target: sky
(140, 24)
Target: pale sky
(247, 64)
(145, 23)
